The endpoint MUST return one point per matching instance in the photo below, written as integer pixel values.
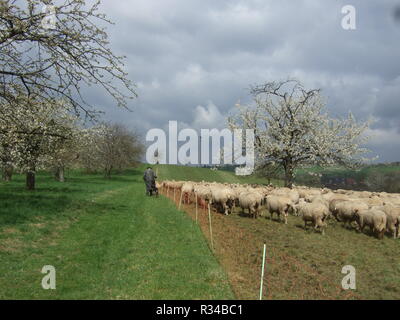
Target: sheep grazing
(279, 205)
(392, 219)
(374, 201)
(333, 206)
(362, 194)
(342, 191)
(319, 199)
(392, 201)
(398, 226)
(296, 207)
(314, 205)
(293, 195)
(304, 193)
(173, 184)
(187, 191)
(203, 192)
(344, 211)
(223, 199)
(331, 196)
(252, 202)
(315, 212)
(374, 218)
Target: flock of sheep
(379, 211)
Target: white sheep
(345, 210)
(293, 195)
(374, 218)
(187, 191)
(279, 205)
(251, 201)
(392, 219)
(223, 197)
(315, 212)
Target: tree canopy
(292, 127)
(48, 61)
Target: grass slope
(169, 172)
(106, 241)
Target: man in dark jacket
(149, 178)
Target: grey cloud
(186, 54)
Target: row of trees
(379, 181)
(33, 136)
(51, 137)
(109, 147)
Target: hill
(169, 172)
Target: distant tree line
(371, 178)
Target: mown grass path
(108, 241)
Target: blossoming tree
(109, 146)
(292, 128)
(32, 132)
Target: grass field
(106, 241)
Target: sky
(192, 61)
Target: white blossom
(292, 127)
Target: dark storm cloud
(193, 60)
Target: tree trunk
(108, 172)
(7, 173)
(289, 174)
(6, 163)
(30, 179)
(60, 174)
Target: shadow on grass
(300, 226)
(20, 208)
(275, 220)
(23, 208)
(52, 199)
(244, 214)
(19, 205)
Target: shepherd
(149, 178)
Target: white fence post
(180, 200)
(211, 235)
(196, 206)
(262, 272)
